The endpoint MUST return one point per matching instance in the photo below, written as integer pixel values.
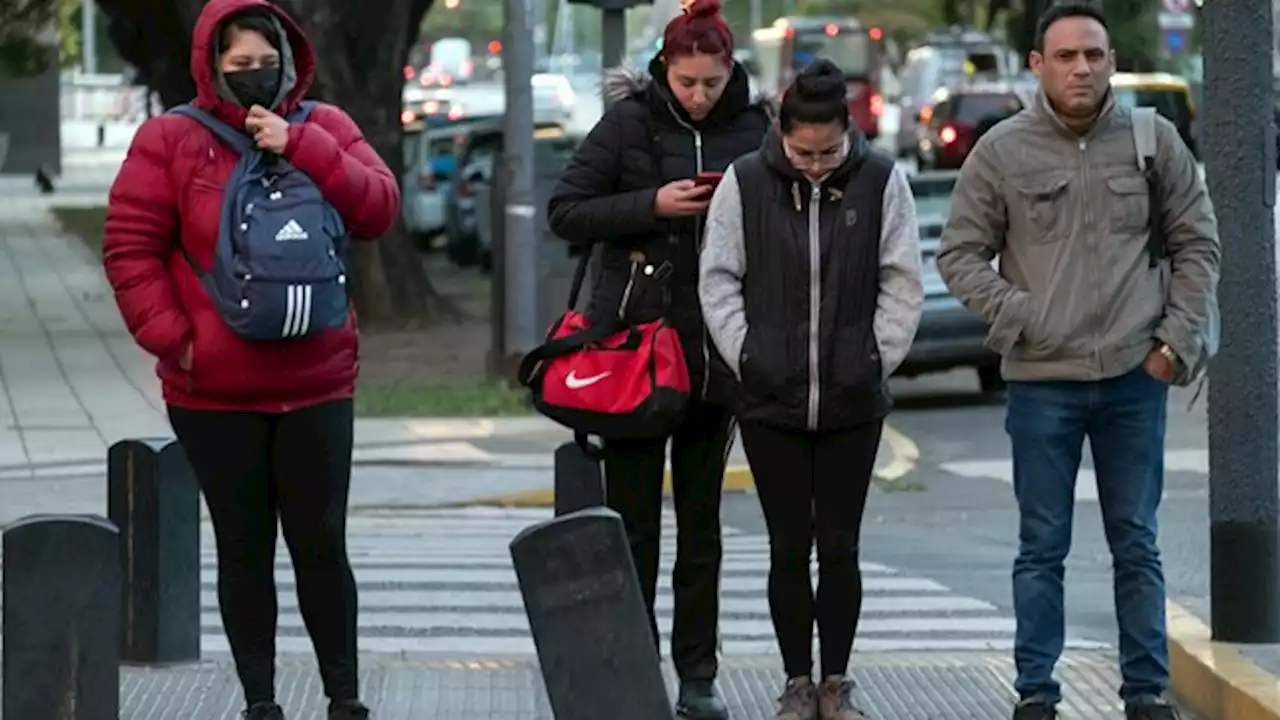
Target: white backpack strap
(1144, 135)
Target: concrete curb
(737, 478)
(1214, 680)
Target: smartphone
(708, 179)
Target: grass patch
(900, 486)
(407, 399)
(85, 223)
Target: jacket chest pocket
(1130, 203)
(1045, 204)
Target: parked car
(950, 336)
(553, 147)
(477, 150)
(428, 170)
(950, 126)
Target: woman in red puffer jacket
(267, 426)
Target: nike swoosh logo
(573, 382)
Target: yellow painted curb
(1214, 680)
(737, 478)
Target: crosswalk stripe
(440, 583)
(1086, 487)
(375, 601)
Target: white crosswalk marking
(441, 583)
(1193, 461)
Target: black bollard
(579, 479)
(61, 625)
(153, 498)
(588, 619)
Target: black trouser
(813, 485)
(633, 477)
(256, 468)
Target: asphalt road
(955, 520)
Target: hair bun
(821, 80)
(702, 8)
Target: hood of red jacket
(298, 62)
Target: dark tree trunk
(360, 51)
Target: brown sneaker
(834, 702)
(799, 701)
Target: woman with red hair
(631, 188)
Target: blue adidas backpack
(277, 270)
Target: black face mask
(255, 87)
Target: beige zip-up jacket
(1074, 297)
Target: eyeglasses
(807, 159)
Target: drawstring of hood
(775, 157)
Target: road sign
(1175, 41)
(1176, 21)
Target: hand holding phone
(708, 179)
(682, 198)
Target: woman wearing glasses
(810, 286)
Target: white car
(553, 98)
(427, 156)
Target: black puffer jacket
(607, 194)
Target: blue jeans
(1047, 422)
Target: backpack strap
(1144, 142)
(236, 139)
(302, 112)
(1144, 137)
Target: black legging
(256, 468)
(813, 485)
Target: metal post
(89, 36)
(1244, 436)
(520, 259)
(613, 48)
(613, 38)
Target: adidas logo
(291, 231)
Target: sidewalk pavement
(73, 383)
(1216, 679)
(891, 686)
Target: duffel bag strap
(576, 342)
(592, 451)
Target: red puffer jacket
(170, 189)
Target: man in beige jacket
(1105, 295)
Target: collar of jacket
(651, 88)
(1043, 111)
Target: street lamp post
(1244, 394)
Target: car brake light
(427, 180)
(464, 189)
(948, 135)
(407, 117)
(877, 104)
(926, 112)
